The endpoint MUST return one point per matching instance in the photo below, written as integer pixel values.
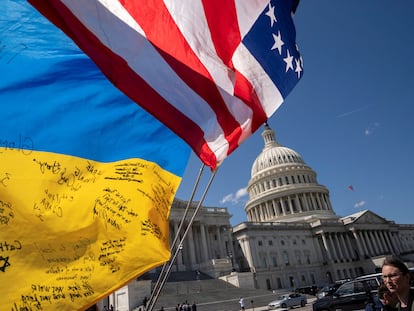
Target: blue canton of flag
(278, 54)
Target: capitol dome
(274, 154)
(283, 187)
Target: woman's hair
(397, 263)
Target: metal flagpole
(151, 301)
(155, 294)
(166, 269)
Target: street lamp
(232, 263)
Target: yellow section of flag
(74, 230)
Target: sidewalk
(218, 302)
(257, 309)
(264, 308)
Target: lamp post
(232, 263)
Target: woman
(396, 277)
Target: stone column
(325, 243)
(312, 201)
(318, 201)
(383, 242)
(308, 201)
(273, 208)
(341, 254)
(180, 253)
(324, 203)
(378, 242)
(336, 258)
(363, 241)
(220, 244)
(209, 238)
(374, 242)
(290, 205)
(204, 246)
(388, 241)
(345, 246)
(370, 243)
(267, 209)
(197, 243)
(301, 203)
(314, 196)
(401, 248)
(315, 205)
(359, 244)
(396, 243)
(253, 249)
(245, 244)
(300, 207)
(282, 206)
(265, 214)
(193, 260)
(348, 246)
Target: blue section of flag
(53, 98)
(260, 41)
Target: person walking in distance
(241, 302)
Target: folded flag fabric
(213, 71)
(87, 177)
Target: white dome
(283, 187)
(274, 154)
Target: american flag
(213, 71)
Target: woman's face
(395, 280)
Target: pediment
(364, 217)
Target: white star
(289, 61)
(298, 67)
(271, 14)
(278, 42)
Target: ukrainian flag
(87, 178)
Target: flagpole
(173, 244)
(161, 282)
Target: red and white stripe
(182, 61)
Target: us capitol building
(292, 237)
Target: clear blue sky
(350, 117)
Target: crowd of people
(185, 306)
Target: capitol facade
(292, 237)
